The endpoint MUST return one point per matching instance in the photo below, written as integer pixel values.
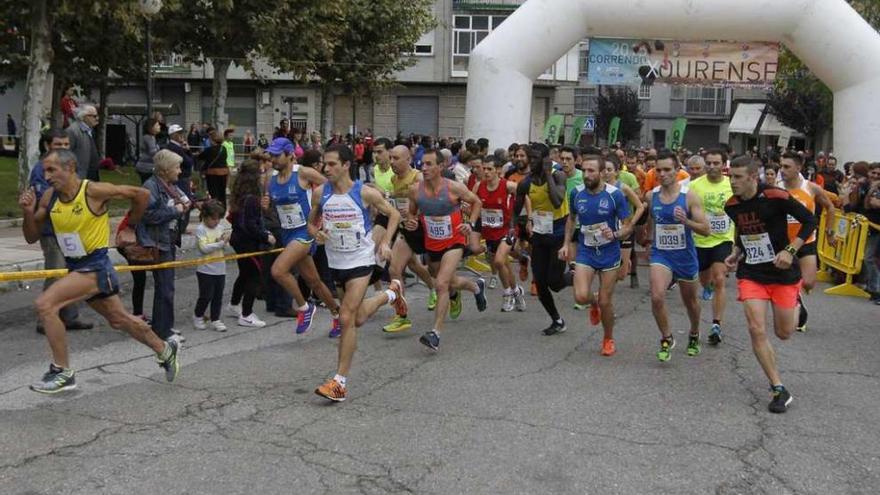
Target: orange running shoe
(595, 312)
(399, 303)
(332, 390)
(523, 269)
(534, 289)
(608, 348)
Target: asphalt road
(500, 409)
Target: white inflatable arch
(833, 40)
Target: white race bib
(402, 205)
(71, 245)
(670, 237)
(291, 216)
(439, 228)
(492, 218)
(758, 248)
(719, 223)
(542, 222)
(593, 235)
(343, 238)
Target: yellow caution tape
(41, 274)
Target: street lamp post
(149, 8)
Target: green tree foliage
(623, 102)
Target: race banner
(577, 129)
(613, 129)
(676, 137)
(553, 128)
(707, 63)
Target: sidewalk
(17, 255)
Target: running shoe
(493, 282)
(168, 360)
(430, 340)
(595, 312)
(554, 328)
(432, 300)
(55, 380)
(533, 290)
(218, 326)
(714, 334)
(608, 347)
(523, 269)
(780, 401)
(693, 345)
(251, 320)
(708, 292)
(304, 319)
(332, 390)
(199, 323)
(519, 299)
(580, 307)
(399, 303)
(480, 295)
(666, 347)
(398, 324)
(455, 306)
(508, 304)
(335, 328)
(234, 310)
(802, 315)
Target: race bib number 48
(492, 218)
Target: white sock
(391, 296)
(339, 379)
(303, 307)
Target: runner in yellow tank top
(810, 195)
(78, 212)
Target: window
(644, 92)
(241, 107)
(469, 31)
(705, 100)
(585, 101)
(583, 60)
(424, 47)
(423, 50)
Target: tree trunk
(325, 95)
(38, 69)
(101, 131)
(220, 90)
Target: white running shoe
(234, 310)
(199, 322)
(251, 320)
(219, 326)
(519, 299)
(508, 304)
(493, 282)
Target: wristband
(791, 250)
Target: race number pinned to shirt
(492, 218)
(593, 235)
(719, 223)
(758, 248)
(291, 216)
(344, 237)
(439, 228)
(670, 237)
(71, 245)
(542, 222)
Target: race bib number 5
(71, 245)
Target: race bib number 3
(758, 248)
(719, 224)
(670, 237)
(71, 245)
(439, 228)
(542, 222)
(492, 218)
(291, 216)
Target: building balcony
(497, 5)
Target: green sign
(553, 128)
(613, 129)
(676, 137)
(577, 128)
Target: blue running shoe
(708, 292)
(304, 319)
(336, 329)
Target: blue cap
(280, 145)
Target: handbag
(128, 246)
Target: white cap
(174, 129)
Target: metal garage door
(696, 136)
(417, 115)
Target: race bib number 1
(758, 248)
